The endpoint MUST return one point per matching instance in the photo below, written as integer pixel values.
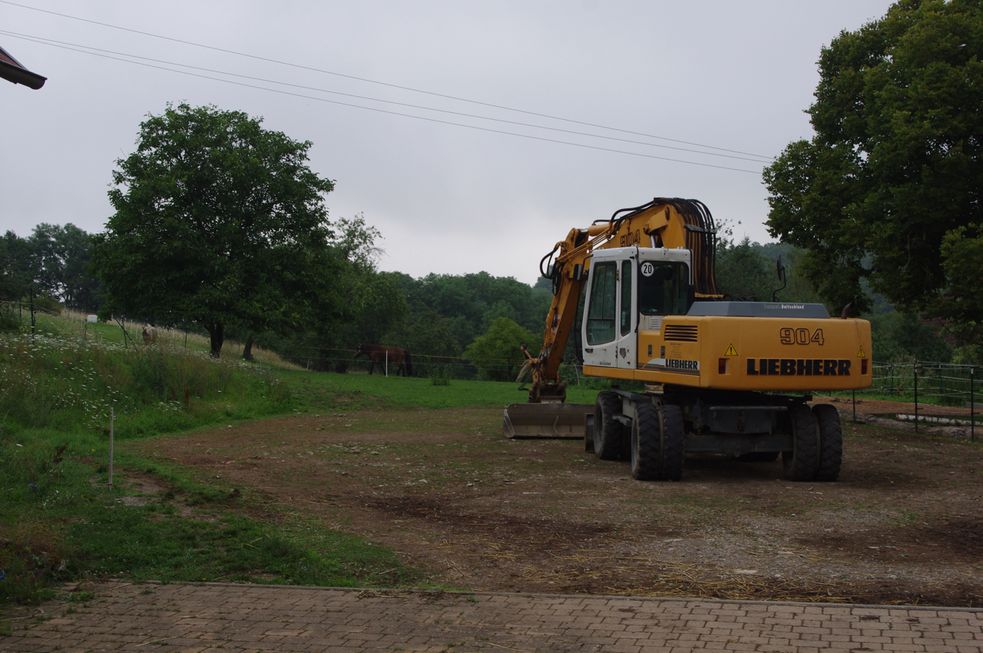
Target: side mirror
(782, 276)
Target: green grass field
(59, 519)
(314, 391)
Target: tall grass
(75, 325)
(58, 382)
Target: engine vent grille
(682, 332)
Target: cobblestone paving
(222, 617)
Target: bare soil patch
(446, 491)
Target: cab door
(627, 314)
(610, 314)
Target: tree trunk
(216, 333)
(247, 349)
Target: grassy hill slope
(59, 518)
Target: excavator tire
(645, 453)
(830, 442)
(673, 442)
(609, 433)
(657, 443)
(802, 462)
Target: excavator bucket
(546, 420)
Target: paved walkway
(212, 617)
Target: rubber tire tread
(830, 442)
(673, 442)
(802, 463)
(609, 433)
(646, 443)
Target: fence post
(387, 362)
(112, 428)
(972, 404)
(915, 376)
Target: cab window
(625, 313)
(663, 288)
(603, 297)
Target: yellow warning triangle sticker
(730, 351)
(861, 354)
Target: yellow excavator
(707, 375)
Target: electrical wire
(377, 82)
(395, 113)
(41, 40)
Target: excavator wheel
(645, 452)
(657, 443)
(673, 442)
(802, 462)
(830, 442)
(609, 433)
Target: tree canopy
(496, 353)
(218, 222)
(62, 255)
(888, 189)
(48, 268)
(17, 267)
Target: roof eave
(21, 76)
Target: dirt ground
(451, 496)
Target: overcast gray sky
(448, 199)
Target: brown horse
(396, 357)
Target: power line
(393, 113)
(88, 48)
(373, 81)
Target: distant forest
(476, 317)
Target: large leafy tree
(743, 272)
(218, 222)
(62, 256)
(889, 188)
(17, 267)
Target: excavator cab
(631, 288)
(628, 288)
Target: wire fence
(347, 360)
(940, 393)
(426, 365)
